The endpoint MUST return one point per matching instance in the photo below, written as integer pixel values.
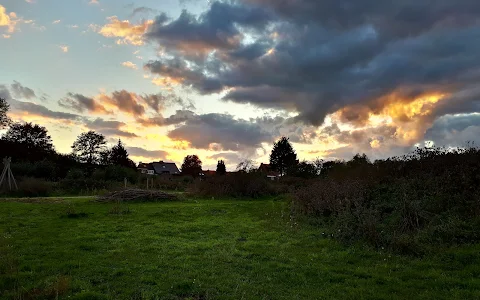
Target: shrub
(34, 187)
(408, 215)
(239, 185)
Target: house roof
(145, 166)
(163, 167)
(266, 168)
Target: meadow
(207, 249)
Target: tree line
(31, 142)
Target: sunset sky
(225, 79)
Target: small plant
(72, 213)
(119, 209)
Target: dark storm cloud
(215, 29)
(220, 132)
(455, 130)
(315, 57)
(177, 70)
(21, 91)
(395, 18)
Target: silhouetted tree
(304, 170)
(31, 140)
(192, 165)
(4, 119)
(283, 157)
(359, 160)
(89, 146)
(318, 163)
(246, 166)
(118, 155)
(221, 169)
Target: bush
(166, 182)
(32, 187)
(409, 205)
(239, 185)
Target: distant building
(158, 168)
(267, 170)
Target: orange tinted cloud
(129, 64)
(409, 116)
(127, 32)
(8, 20)
(124, 101)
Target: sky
(226, 79)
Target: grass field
(207, 249)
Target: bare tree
(246, 165)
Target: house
(158, 168)
(267, 169)
(146, 168)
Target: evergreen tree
(283, 157)
(119, 156)
(221, 169)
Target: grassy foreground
(209, 249)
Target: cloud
(130, 65)
(29, 108)
(455, 130)
(229, 157)
(150, 154)
(179, 117)
(125, 31)
(219, 132)
(125, 101)
(109, 128)
(9, 20)
(142, 10)
(93, 2)
(6, 36)
(56, 21)
(81, 103)
(12, 21)
(63, 48)
(175, 71)
(21, 91)
(217, 28)
(389, 69)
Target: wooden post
(8, 172)
(147, 182)
(125, 182)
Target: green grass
(209, 249)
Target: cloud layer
(388, 69)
